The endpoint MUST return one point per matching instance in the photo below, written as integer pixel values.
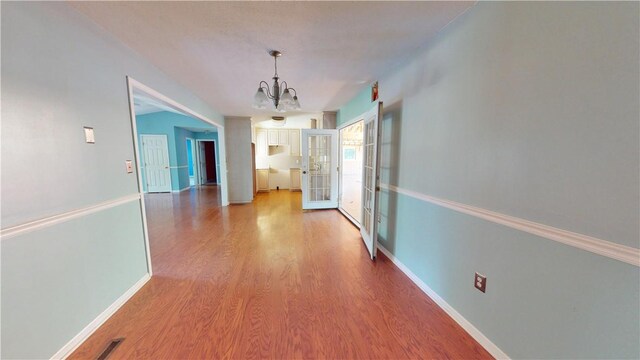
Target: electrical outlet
(480, 282)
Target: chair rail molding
(66, 216)
(627, 254)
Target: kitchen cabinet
(263, 180)
(273, 137)
(283, 137)
(278, 137)
(262, 148)
(296, 182)
(294, 142)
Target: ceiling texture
(218, 50)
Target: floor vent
(109, 349)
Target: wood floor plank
(267, 280)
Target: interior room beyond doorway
(350, 200)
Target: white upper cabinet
(273, 137)
(262, 148)
(277, 137)
(283, 137)
(294, 142)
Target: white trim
(349, 217)
(66, 216)
(484, 341)
(77, 340)
(627, 254)
(179, 167)
(136, 151)
(174, 104)
(181, 190)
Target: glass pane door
(370, 178)
(319, 169)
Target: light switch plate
(88, 135)
(129, 166)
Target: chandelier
(279, 93)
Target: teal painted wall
(61, 72)
(172, 125)
(529, 110)
(62, 277)
(360, 104)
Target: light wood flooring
(267, 280)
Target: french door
(155, 153)
(319, 169)
(370, 179)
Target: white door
(202, 159)
(319, 169)
(155, 154)
(370, 179)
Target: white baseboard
(464, 323)
(181, 190)
(77, 340)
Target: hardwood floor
(267, 280)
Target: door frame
(341, 167)
(132, 85)
(304, 166)
(166, 141)
(217, 163)
(193, 160)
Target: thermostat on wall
(88, 135)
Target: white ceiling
(331, 50)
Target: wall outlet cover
(480, 282)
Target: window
(349, 154)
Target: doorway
(350, 197)
(319, 169)
(207, 162)
(359, 180)
(145, 101)
(191, 150)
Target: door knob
(304, 172)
